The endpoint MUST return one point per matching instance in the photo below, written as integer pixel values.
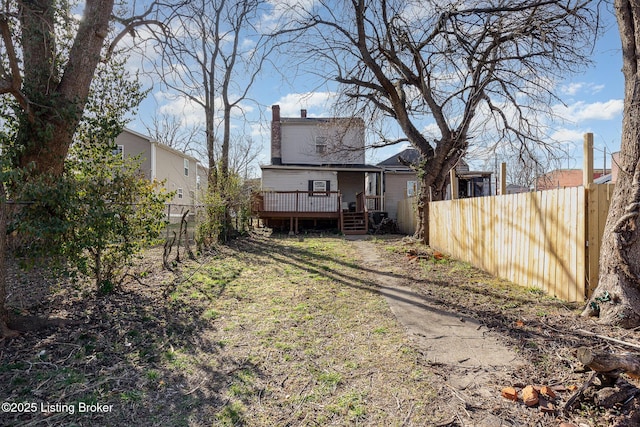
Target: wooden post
(503, 178)
(454, 183)
(587, 169)
(590, 218)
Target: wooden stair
(354, 223)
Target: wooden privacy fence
(546, 239)
(407, 218)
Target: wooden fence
(407, 218)
(546, 239)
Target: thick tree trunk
(56, 102)
(4, 314)
(616, 300)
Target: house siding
(135, 145)
(167, 166)
(395, 186)
(344, 143)
(295, 180)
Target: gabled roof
(410, 155)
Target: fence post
(503, 178)
(587, 170)
(454, 183)
(592, 249)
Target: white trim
(153, 161)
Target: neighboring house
(399, 181)
(563, 178)
(316, 176)
(180, 172)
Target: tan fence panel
(407, 215)
(598, 201)
(532, 239)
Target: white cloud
(581, 111)
(292, 103)
(571, 88)
(574, 88)
(565, 135)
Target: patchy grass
(266, 331)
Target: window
(198, 182)
(186, 167)
(412, 188)
(179, 193)
(321, 144)
(319, 188)
(118, 151)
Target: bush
(95, 219)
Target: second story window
(186, 167)
(198, 182)
(321, 144)
(119, 151)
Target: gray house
(180, 172)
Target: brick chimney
(276, 136)
(303, 113)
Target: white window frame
(319, 186)
(180, 195)
(186, 167)
(119, 150)
(321, 144)
(198, 182)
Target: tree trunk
(616, 300)
(609, 363)
(4, 314)
(56, 103)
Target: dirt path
(469, 356)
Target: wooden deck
(279, 206)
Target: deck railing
(297, 201)
(373, 203)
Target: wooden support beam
(587, 169)
(503, 178)
(454, 183)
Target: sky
(592, 102)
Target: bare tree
(169, 129)
(47, 64)
(464, 66)
(616, 300)
(212, 59)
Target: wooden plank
(587, 160)
(537, 253)
(553, 241)
(528, 269)
(580, 249)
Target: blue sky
(592, 103)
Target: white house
(317, 174)
(180, 172)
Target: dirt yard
(273, 331)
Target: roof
(334, 167)
(410, 155)
(162, 146)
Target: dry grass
(271, 331)
(264, 332)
